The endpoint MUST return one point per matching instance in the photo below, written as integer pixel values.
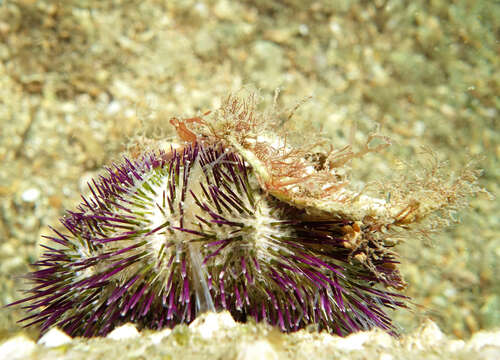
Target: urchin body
(177, 233)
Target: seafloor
(80, 78)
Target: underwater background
(80, 78)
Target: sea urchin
(177, 233)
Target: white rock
(455, 345)
(386, 356)
(482, 338)
(382, 339)
(303, 29)
(261, 350)
(431, 333)
(113, 107)
(210, 323)
(157, 337)
(30, 195)
(124, 332)
(54, 337)
(353, 342)
(18, 347)
(427, 336)
(224, 10)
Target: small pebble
(386, 356)
(158, 337)
(18, 347)
(124, 332)
(30, 195)
(113, 108)
(483, 338)
(353, 342)
(209, 324)
(54, 337)
(261, 350)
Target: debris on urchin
(219, 224)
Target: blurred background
(80, 78)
